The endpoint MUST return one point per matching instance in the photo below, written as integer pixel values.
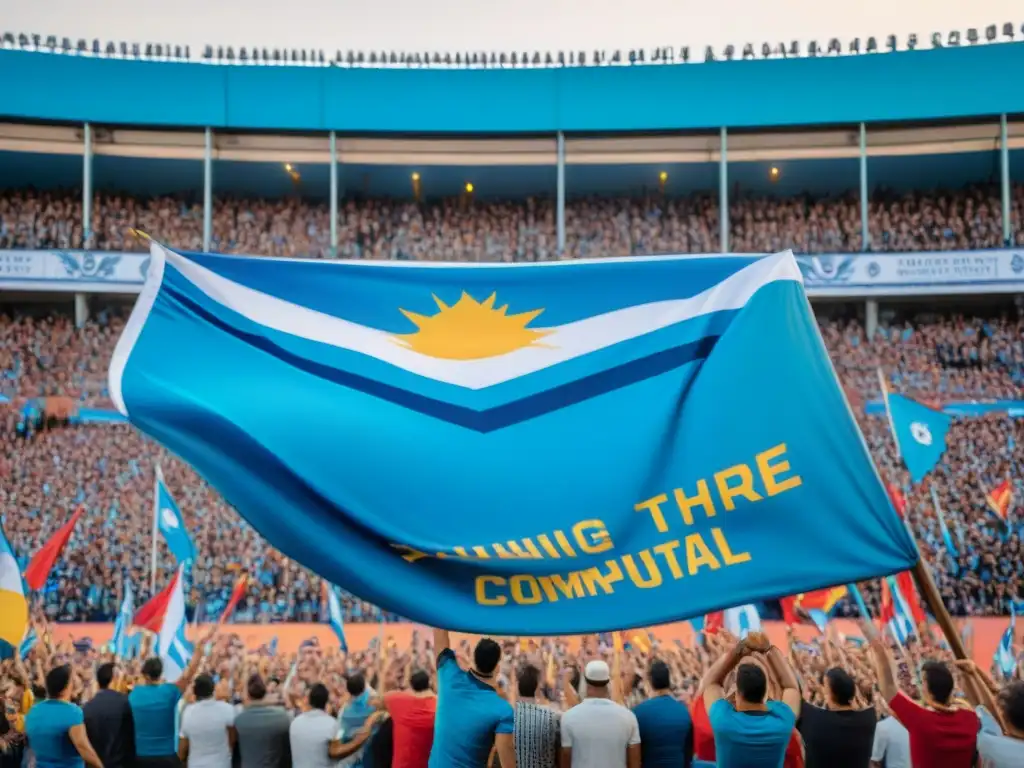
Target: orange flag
(1000, 499)
(39, 567)
(241, 586)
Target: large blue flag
(920, 434)
(170, 523)
(516, 449)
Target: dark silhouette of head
(319, 696)
(203, 687)
(486, 656)
(938, 682)
(152, 669)
(751, 683)
(419, 681)
(660, 676)
(840, 687)
(105, 675)
(355, 684)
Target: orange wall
(987, 632)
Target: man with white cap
(597, 732)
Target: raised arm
(442, 641)
(883, 664)
(713, 678)
(784, 673)
(196, 661)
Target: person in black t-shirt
(839, 736)
(109, 722)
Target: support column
(81, 309)
(208, 191)
(723, 190)
(871, 318)
(1004, 179)
(87, 187)
(334, 195)
(560, 192)
(865, 227)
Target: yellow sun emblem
(470, 330)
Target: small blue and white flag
(919, 431)
(954, 565)
(556, 448)
(28, 643)
(170, 523)
(334, 615)
(125, 617)
(1004, 656)
(742, 620)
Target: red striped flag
(241, 587)
(905, 581)
(151, 615)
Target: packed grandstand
(974, 351)
(959, 345)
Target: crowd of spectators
(46, 472)
(814, 701)
(481, 230)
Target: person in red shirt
(941, 735)
(412, 716)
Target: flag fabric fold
(38, 569)
(13, 604)
(540, 448)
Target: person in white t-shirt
(207, 735)
(597, 732)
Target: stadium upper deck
(832, 126)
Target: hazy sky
(458, 25)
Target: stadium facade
(840, 125)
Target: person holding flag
(940, 733)
(154, 703)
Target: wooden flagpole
(932, 598)
(922, 576)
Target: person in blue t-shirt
(154, 706)
(56, 728)
(666, 731)
(754, 732)
(471, 714)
